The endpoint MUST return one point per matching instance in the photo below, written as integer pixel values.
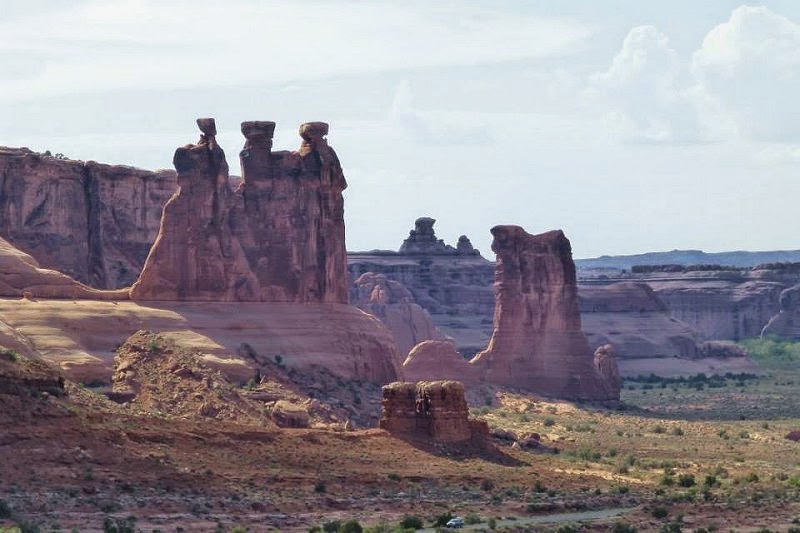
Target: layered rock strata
(93, 222)
(435, 411)
(537, 343)
(394, 305)
(278, 238)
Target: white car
(456, 522)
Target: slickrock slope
(21, 276)
(537, 342)
(435, 411)
(278, 238)
(80, 336)
(93, 222)
(388, 300)
(439, 360)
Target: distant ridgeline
(714, 261)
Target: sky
(633, 126)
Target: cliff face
(730, 305)
(537, 343)
(786, 323)
(278, 238)
(93, 222)
(635, 320)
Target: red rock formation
(439, 360)
(91, 221)
(537, 343)
(434, 411)
(605, 360)
(394, 305)
(289, 216)
(21, 276)
(278, 238)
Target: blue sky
(634, 126)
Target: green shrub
(686, 480)
(351, 526)
(659, 429)
(332, 526)
(472, 518)
(549, 422)
(678, 432)
(492, 523)
(119, 525)
(411, 522)
(239, 529)
(622, 527)
(9, 355)
(659, 512)
(5, 510)
(442, 519)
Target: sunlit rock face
(93, 222)
(279, 237)
(537, 343)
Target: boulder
(289, 415)
(439, 360)
(537, 343)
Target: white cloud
(435, 128)
(644, 93)
(103, 46)
(749, 68)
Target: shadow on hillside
(486, 450)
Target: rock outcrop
(394, 305)
(90, 221)
(430, 411)
(537, 343)
(785, 324)
(278, 238)
(439, 360)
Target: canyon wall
(92, 222)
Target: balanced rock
(422, 239)
(430, 411)
(537, 343)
